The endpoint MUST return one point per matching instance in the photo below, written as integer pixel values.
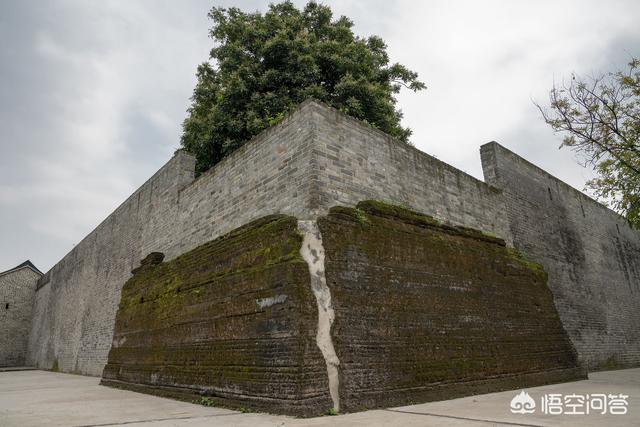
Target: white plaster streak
(268, 302)
(312, 252)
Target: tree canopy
(262, 65)
(600, 118)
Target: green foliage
(361, 216)
(206, 401)
(600, 117)
(332, 411)
(264, 64)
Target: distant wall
(17, 292)
(314, 159)
(75, 305)
(591, 255)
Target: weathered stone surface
(17, 292)
(233, 320)
(426, 312)
(374, 306)
(590, 253)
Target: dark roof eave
(27, 264)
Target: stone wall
(233, 320)
(17, 291)
(314, 159)
(591, 255)
(367, 307)
(76, 300)
(355, 162)
(425, 311)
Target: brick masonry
(354, 162)
(17, 292)
(372, 306)
(233, 320)
(425, 311)
(77, 299)
(590, 253)
(314, 159)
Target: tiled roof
(27, 264)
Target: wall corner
(185, 165)
(489, 159)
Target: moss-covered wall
(233, 320)
(425, 311)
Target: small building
(17, 292)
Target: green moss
(444, 303)
(365, 210)
(376, 207)
(198, 312)
(520, 258)
(361, 216)
(164, 286)
(55, 367)
(205, 401)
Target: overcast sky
(93, 94)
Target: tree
(263, 65)
(600, 117)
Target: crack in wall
(312, 252)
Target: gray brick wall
(17, 292)
(77, 300)
(591, 255)
(354, 162)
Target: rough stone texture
(17, 292)
(414, 311)
(233, 320)
(427, 312)
(591, 255)
(314, 159)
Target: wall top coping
(495, 146)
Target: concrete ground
(40, 398)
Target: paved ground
(39, 398)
